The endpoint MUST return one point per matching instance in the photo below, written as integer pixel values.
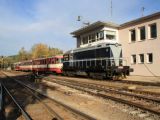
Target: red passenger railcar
(51, 64)
(39, 65)
(55, 64)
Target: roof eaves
(140, 19)
(94, 25)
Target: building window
(153, 30)
(110, 35)
(84, 40)
(141, 58)
(149, 58)
(142, 33)
(101, 35)
(93, 38)
(133, 35)
(133, 59)
(89, 38)
(97, 36)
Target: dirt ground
(94, 106)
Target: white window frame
(110, 32)
(149, 31)
(132, 59)
(139, 33)
(147, 57)
(139, 59)
(130, 36)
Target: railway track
(142, 83)
(26, 101)
(61, 111)
(115, 87)
(144, 102)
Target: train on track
(99, 61)
(50, 64)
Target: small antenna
(111, 8)
(142, 10)
(79, 18)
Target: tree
(23, 54)
(54, 51)
(40, 51)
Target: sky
(24, 23)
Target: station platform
(152, 79)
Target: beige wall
(144, 47)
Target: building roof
(99, 24)
(157, 14)
(95, 25)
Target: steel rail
(99, 94)
(51, 111)
(92, 86)
(24, 113)
(102, 88)
(143, 83)
(62, 104)
(1, 103)
(58, 102)
(1, 97)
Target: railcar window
(53, 61)
(61, 60)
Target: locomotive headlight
(116, 44)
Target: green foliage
(54, 51)
(23, 55)
(40, 51)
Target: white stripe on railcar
(55, 65)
